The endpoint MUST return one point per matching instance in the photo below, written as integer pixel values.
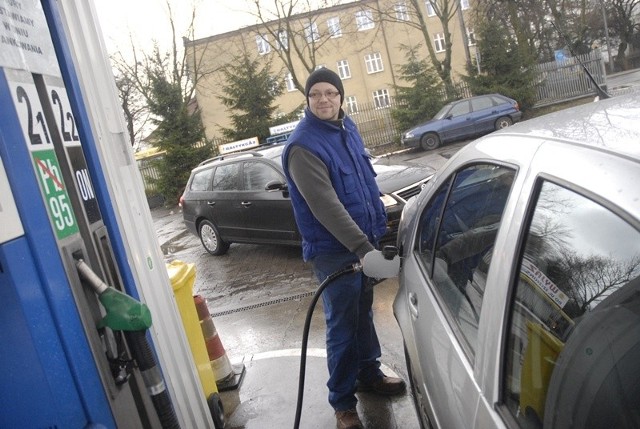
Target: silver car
(519, 297)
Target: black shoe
(386, 386)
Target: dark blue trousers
(353, 350)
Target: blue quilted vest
(353, 178)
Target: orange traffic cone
(220, 363)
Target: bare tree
(290, 28)
(624, 26)
(445, 10)
(591, 279)
(135, 70)
(134, 108)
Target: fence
(566, 79)
(375, 123)
(558, 81)
(149, 173)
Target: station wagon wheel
(210, 238)
(429, 141)
(503, 122)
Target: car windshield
(443, 112)
(273, 153)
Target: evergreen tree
(506, 68)
(423, 97)
(250, 92)
(179, 133)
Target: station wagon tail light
(181, 200)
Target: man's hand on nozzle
(375, 265)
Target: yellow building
(362, 41)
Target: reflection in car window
(225, 177)
(456, 243)
(202, 180)
(459, 109)
(481, 103)
(258, 174)
(570, 356)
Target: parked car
(243, 198)
(519, 287)
(463, 119)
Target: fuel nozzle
(381, 264)
(124, 313)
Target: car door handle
(211, 203)
(413, 304)
(246, 203)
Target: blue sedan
(462, 119)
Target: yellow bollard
(182, 276)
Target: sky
(147, 20)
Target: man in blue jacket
(341, 218)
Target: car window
(498, 100)
(443, 112)
(574, 318)
(459, 109)
(481, 103)
(258, 174)
(226, 177)
(201, 180)
(457, 231)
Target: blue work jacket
(341, 149)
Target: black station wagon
(243, 198)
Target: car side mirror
(449, 116)
(274, 185)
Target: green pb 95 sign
(55, 194)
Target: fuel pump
(66, 367)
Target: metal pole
(463, 30)
(606, 35)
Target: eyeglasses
(329, 94)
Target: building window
(464, 4)
(263, 45)
(343, 69)
(352, 105)
(288, 80)
(401, 11)
(364, 20)
(431, 11)
(471, 37)
(333, 25)
(381, 98)
(311, 32)
(438, 41)
(283, 40)
(374, 63)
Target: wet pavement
(258, 297)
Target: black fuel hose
(354, 268)
(141, 351)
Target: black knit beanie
(324, 75)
